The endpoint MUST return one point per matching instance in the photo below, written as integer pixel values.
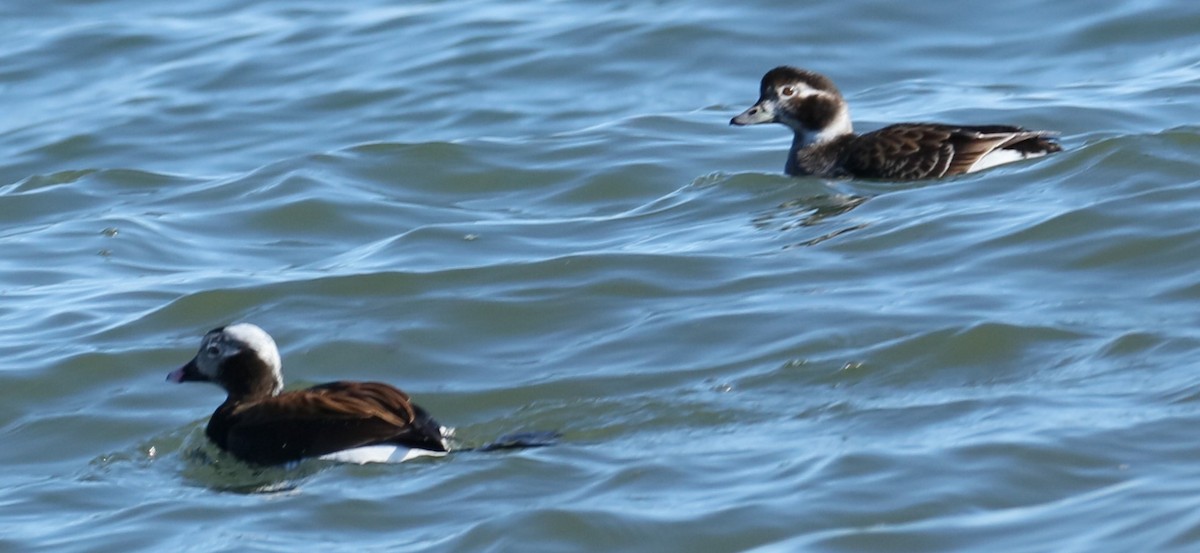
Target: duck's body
(825, 144)
(346, 421)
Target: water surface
(534, 215)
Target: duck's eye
(213, 351)
(787, 91)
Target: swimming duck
(341, 421)
(825, 144)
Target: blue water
(534, 215)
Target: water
(533, 215)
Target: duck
(825, 144)
(259, 423)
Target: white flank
(387, 453)
(379, 454)
(999, 157)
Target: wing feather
(927, 150)
(329, 418)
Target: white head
(242, 358)
(249, 337)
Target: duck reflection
(812, 212)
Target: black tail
(520, 440)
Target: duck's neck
(819, 158)
(807, 143)
(836, 128)
(255, 379)
(239, 393)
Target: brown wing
(328, 418)
(924, 150)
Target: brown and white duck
(357, 422)
(825, 144)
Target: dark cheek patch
(817, 112)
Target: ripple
(537, 217)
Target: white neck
(840, 126)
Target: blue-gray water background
(534, 215)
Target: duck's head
(805, 101)
(241, 358)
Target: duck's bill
(762, 112)
(187, 373)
